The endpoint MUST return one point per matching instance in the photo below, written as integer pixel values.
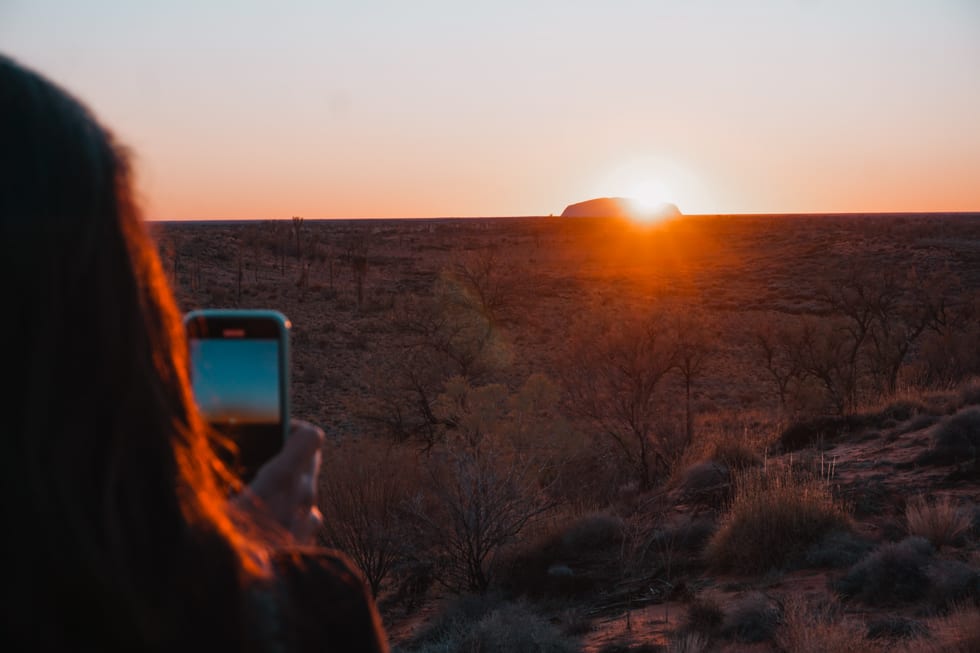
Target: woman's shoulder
(317, 568)
(322, 603)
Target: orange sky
(429, 108)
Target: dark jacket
(318, 602)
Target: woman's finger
(286, 485)
(305, 440)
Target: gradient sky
(236, 379)
(364, 108)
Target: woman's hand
(286, 486)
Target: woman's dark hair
(114, 514)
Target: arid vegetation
(551, 435)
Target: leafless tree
(253, 239)
(880, 314)
(361, 489)
(823, 351)
(357, 253)
(855, 296)
(693, 349)
(488, 285)
(477, 501)
(614, 383)
(436, 341)
(297, 223)
(241, 273)
(950, 351)
(777, 346)
(279, 234)
(917, 303)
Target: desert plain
(712, 433)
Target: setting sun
(649, 195)
(649, 199)
(651, 185)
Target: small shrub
(514, 628)
(628, 647)
(592, 532)
(942, 521)
(490, 625)
(735, 453)
(898, 411)
(964, 631)
(868, 496)
(571, 560)
(918, 423)
(775, 516)
(960, 431)
(824, 429)
(707, 483)
(809, 432)
(576, 622)
(687, 534)
(956, 439)
(704, 616)
(970, 393)
(810, 629)
(952, 582)
(689, 643)
(896, 627)
(753, 619)
(837, 550)
(455, 615)
(957, 632)
(895, 572)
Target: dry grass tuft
(942, 521)
(777, 513)
(964, 630)
(689, 643)
(969, 393)
(957, 632)
(705, 616)
(810, 629)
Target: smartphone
(239, 369)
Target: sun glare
(648, 199)
(649, 195)
(651, 186)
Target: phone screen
(238, 361)
(236, 381)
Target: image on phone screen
(236, 381)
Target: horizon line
(554, 215)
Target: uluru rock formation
(618, 207)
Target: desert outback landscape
(632, 326)
(708, 433)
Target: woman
(118, 530)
